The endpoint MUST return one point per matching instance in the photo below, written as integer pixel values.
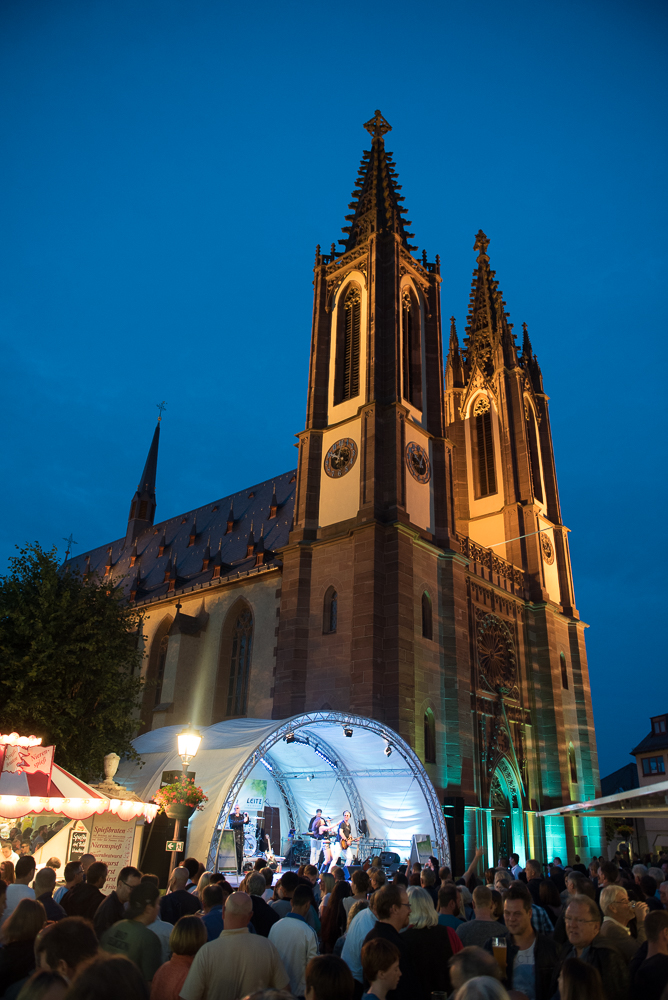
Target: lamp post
(188, 743)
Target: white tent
(309, 763)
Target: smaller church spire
(527, 350)
(454, 371)
(490, 342)
(530, 361)
(142, 508)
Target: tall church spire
(454, 372)
(376, 201)
(142, 508)
(490, 342)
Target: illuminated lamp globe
(188, 743)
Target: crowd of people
(535, 933)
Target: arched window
(411, 350)
(534, 454)
(242, 641)
(564, 671)
(330, 611)
(484, 473)
(427, 627)
(429, 737)
(155, 672)
(348, 347)
(572, 763)
(160, 675)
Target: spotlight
(388, 750)
(347, 731)
(290, 738)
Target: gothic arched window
(348, 347)
(427, 627)
(429, 737)
(330, 611)
(240, 658)
(564, 671)
(484, 473)
(534, 453)
(411, 350)
(161, 662)
(572, 763)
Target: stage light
(290, 738)
(328, 760)
(267, 765)
(347, 731)
(388, 750)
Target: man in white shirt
(8, 853)
(515, 866)
(236, 963)
(24, 873)
(295, 941)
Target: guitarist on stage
(316, 836)
(344, 839)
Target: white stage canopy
(390, 796)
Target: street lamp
(188, 743)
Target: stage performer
(316, 836)
(237, 820)
(343, 841)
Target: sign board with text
(112, 841)
(78, 841)
(174, 845)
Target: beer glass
(499, 947)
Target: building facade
(413, 569)
(651, 755)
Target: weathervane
(377, 126)
(161, 406)
(70, 542)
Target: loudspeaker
(354, 868)
(453, 811)
(453, 808)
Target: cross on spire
(377, 126)
(161, 406)
(70, 542)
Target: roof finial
(70, 542)
(161, 406)
(377, 126)
(481, 243)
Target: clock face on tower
(340, 458)
(417, 461)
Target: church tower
(427, 581)
(371, 511)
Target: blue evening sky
(167, 169)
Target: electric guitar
(347, 841)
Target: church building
(414, 569)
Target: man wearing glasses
(583, 924)
(393, 912)
(113, 908)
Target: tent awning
(68, 796)
(650, 800)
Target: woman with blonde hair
(17, 956)
(186, 939)
(426, 946)
(326, 885)
(202, 883)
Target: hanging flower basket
(180, 799)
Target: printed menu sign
(78, 841)
(111, 842)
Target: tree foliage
(69, 661)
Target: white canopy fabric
(331, 771)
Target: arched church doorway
(507, 815)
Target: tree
(69, 661)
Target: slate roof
(147, 578)
(654, 741)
